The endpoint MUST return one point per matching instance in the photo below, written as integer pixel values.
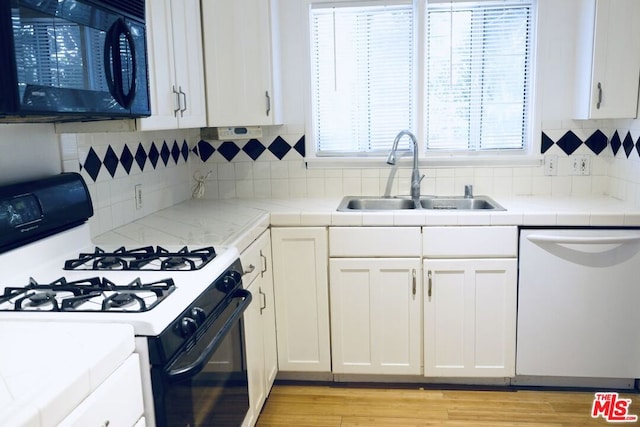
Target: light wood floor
(297, 405)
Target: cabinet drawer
(117, 401)
(466, 242)
(374, 241)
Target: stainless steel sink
(368, 203)
(461, 203)
(363, 203)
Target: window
(362, 76)
(476, 71)
(477, 74)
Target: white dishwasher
(579, 303)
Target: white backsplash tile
(113, 196)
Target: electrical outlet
(585, 165)
(580, 165)
(551, 164)
(138, 196)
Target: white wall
(28, 152)
(162, 185)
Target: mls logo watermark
(612, 408)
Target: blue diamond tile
(638, 146)
(597, 142)
(546, 143)
(126, 159)
(279, 147)
(92, 164)
(229, 150)
(175, 152)
(615, 143)
(205, 150)
(254, 149)
(299, 146)
(627, 144)
(164, 153)
(185, 150)
(569, 142)
(154, 155)
(141, 157)
(110, 161)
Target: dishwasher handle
(582, 240)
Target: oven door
(206, 383)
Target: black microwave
(72, 60)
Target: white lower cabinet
(259, 324)
(116, 402)
(300, 265)
(470, 317)
(376, 315)
(470, 283)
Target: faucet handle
(468, 191)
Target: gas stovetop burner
(91, 294)
(143, 258)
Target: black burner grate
(62, 295)
(144, 258)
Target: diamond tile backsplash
(273, 166)
(113, 164)
(597, 142)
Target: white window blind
(362, 76)
(477, 74)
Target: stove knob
(228, 283)
(198, 315)
(235, 275)
(187, 326)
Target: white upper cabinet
(240, 62)
(608, 59)
(176, 70)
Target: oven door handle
(184, 372)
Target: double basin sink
(368, 203)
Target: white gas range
(184, 303)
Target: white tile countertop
(236, 222)
(48, 369)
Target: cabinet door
(376, 315)
(470, 317)
(608, 37)
(238, 62)
(260, 327)
(253, 331)
(300, 265)
(188, 62)
(160, 57)
(268, 312)
(176, 70)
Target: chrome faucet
(415, 173)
